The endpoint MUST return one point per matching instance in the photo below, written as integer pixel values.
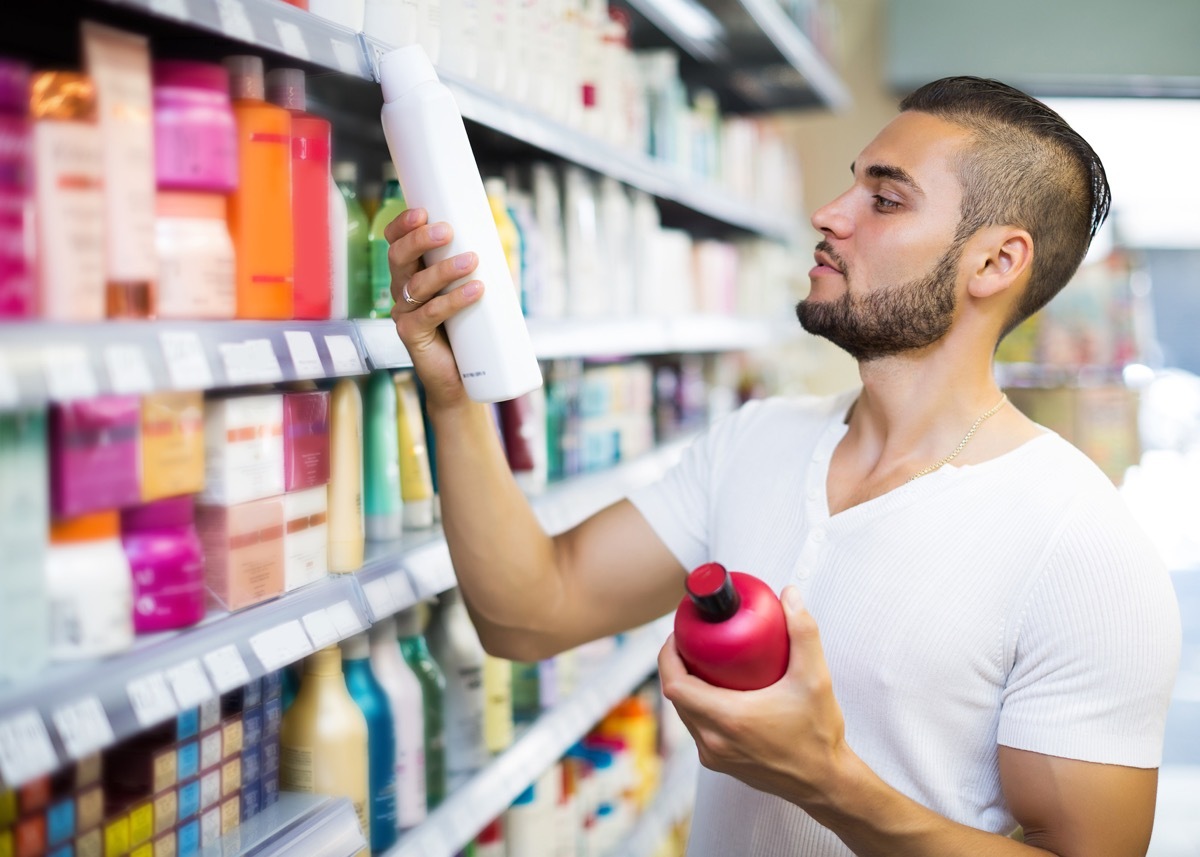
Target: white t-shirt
(1010, 602)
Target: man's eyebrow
(896, 174)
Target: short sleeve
(678, 505)
(1097, 647)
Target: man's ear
(1003, 258)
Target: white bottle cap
(495, 187)
(245, 76)
(345, 171)
(356, 648)
(285, 87)
(403, 69)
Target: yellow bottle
(497, 704)
(510, 236)
(416, 482)
(323, 739)
(347, 528)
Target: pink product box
(243, 551)
(95, 455)
(305, 440)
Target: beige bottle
(416, 481)
(323, 740)
(497, 705)
(347, 532)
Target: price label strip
(83, 727)
(128, 372)
(347, 57)
(383, 345)
(151, 699)
(227, 668)
(306, 362)
(344, 619)
(320, 628)
(343, 354)
(234, 20)
(380, 598)
(250, 362)
(190, 684)
(431, 569)
(186, 362)
(282, 645)
(292, 39)
(25, 748)
(69, 373)
(170, 8)
(403, 595)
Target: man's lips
(825, 265)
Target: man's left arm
(789, 740)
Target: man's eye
(885, 204)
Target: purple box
(94, 455)
(305, 440)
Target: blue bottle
(372, 700)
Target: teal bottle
(409, 631)
(372, 700)
(381, 468)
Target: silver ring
(409, 299)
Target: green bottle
(526, 691)
(409, 627)
(381, 465)
(391, 206)
(358, 253)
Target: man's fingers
(404, 223)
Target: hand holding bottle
(420, 309)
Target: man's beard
(888, 320)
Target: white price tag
(186, 362)
(151, 698)
(379, 598)
(190, 684)
(25, 748)
(403, 595)
(320, 629)
(250, 362)
(128, 372)
(383, 344)
(343, 354)
(69, 373)
(234, 20)
(171, 8)
(83, 727)
(9, 394)
(344, 619)
(431, 569)
(282, 645)
(227, 668)
(305, 360)
(292, 40)
(347, 57)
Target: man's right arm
(530, 595)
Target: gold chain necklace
(966, 439)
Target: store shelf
(70, 710)
(469, 809)
(671, 804)
(320, 826)
(554, 338)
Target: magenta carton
(305, 440)
(167, 563)
(94, 455)
(18, 289)
(195, 144)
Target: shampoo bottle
(323, 738)
(382, 462)
(381, 739)
(498, 701)
(415, 649)
(358, 246)
(403, 689)
(18, 296)
(416, 481)
(260, 210)
(345, 502)
(391, 206)
(311, 148)
(456, 647)
(437, 171)
(90, 588)
(730, 629)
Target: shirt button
(818, 536)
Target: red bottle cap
(711, 589)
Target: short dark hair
(1026, 167)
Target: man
(981, 637)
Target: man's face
(887, 268)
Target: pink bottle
(730, 630)
(311, 154)
(195, 137)
(18, 289)
(165, 557)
